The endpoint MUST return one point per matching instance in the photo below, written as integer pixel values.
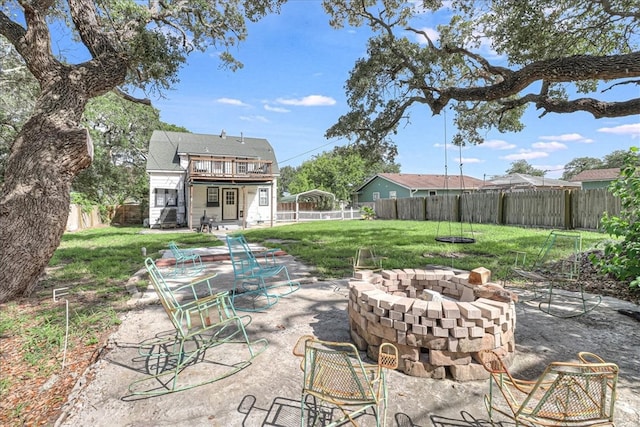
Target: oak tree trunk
(46, 156)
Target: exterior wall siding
(170, 181)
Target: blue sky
(291, 90)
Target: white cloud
(308, 101)
(432, 33)
(470, 160)
(549, 146)
(526, 155)
(231, 101)
(567, 137)
(498, 144)
(276, 109)
(260, 119)
(633, 130)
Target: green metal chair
(335, 375)
(255, 284)
(187, 262)
(579, 394)
(556, 266)
(203, 320)
(366, 259)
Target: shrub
(367, 212)
(622, 257)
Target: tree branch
(124, 95)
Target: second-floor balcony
(230, 168)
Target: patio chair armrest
(203, 303)
(587, 357)
(270, 256)
(298, 348)
(195, 282)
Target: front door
(230, 203)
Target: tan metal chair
(581, 394)
(335, 374)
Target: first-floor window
(166, 197)
(263, 196)
(376, 195)
(392, 194)
(213, 196)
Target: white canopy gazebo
(315, 196)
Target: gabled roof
(165, 148)
(597, 175)
(522, 180)
(428, 182)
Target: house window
(241, 167)
(166, 197)
(433, 193)
(376, 195)
(263, 196)
(213, 196)
(392, 194)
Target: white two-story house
(225, 179)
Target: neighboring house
(522, 182)
(596, 178)
(228, 179)
(403, 185)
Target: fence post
(568, 223)
(501, 210)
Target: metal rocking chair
(251, 276)
(579, 394)
(193, 354)
(556, 265)
(366, 259)
(187, 262)
(335, 374)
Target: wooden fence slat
(574, 209)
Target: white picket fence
(293, 216)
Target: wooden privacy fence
(565, 209)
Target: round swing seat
(455, 239)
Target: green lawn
(329, 245)
(96, 264)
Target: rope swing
(451, 238)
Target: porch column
(274, 199)
(189, 221)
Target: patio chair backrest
(242, 258)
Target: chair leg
(253, 292)
(582, 306)
(292, 285)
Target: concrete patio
(267, 393)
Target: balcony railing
(230, 168)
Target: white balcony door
(230, 203)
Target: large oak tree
(488, 63)
(129, 45)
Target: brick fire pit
(439, 319)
